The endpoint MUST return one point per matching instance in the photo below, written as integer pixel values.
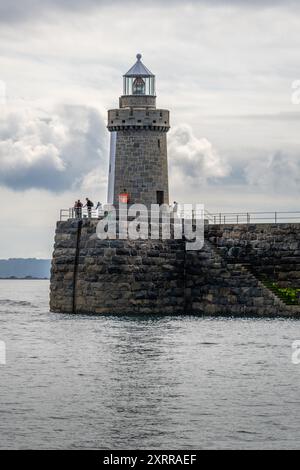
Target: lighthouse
(138, 166)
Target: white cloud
(193, 160)
(53, 151)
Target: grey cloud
(276, 173)
(32, 9)
(10, 11)
(27, 10)
(194, 162)
(279, 173)
(54, 153)
(284, 116)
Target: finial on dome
(138, 69)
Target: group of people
(78, 206)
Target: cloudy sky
(225, 69)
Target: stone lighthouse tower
(138, 149)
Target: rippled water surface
(127, 383)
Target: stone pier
(160, 277)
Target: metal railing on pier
(83, 213)
(252, 217)
(217, 218)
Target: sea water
(121, 382)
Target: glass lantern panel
(139, 86)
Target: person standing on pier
(99, 208)
(89, 205)
(78, 209)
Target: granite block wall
(160, 277)
(146, 171)
(115, 276)
(270, 249)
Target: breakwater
(89, 275)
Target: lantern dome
(139, 80)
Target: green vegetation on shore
(289, 295)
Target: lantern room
(139, 80)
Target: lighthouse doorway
(159, 197)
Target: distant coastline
(25, 268)
(26, 278)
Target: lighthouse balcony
(137, 101)
(123, 118)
